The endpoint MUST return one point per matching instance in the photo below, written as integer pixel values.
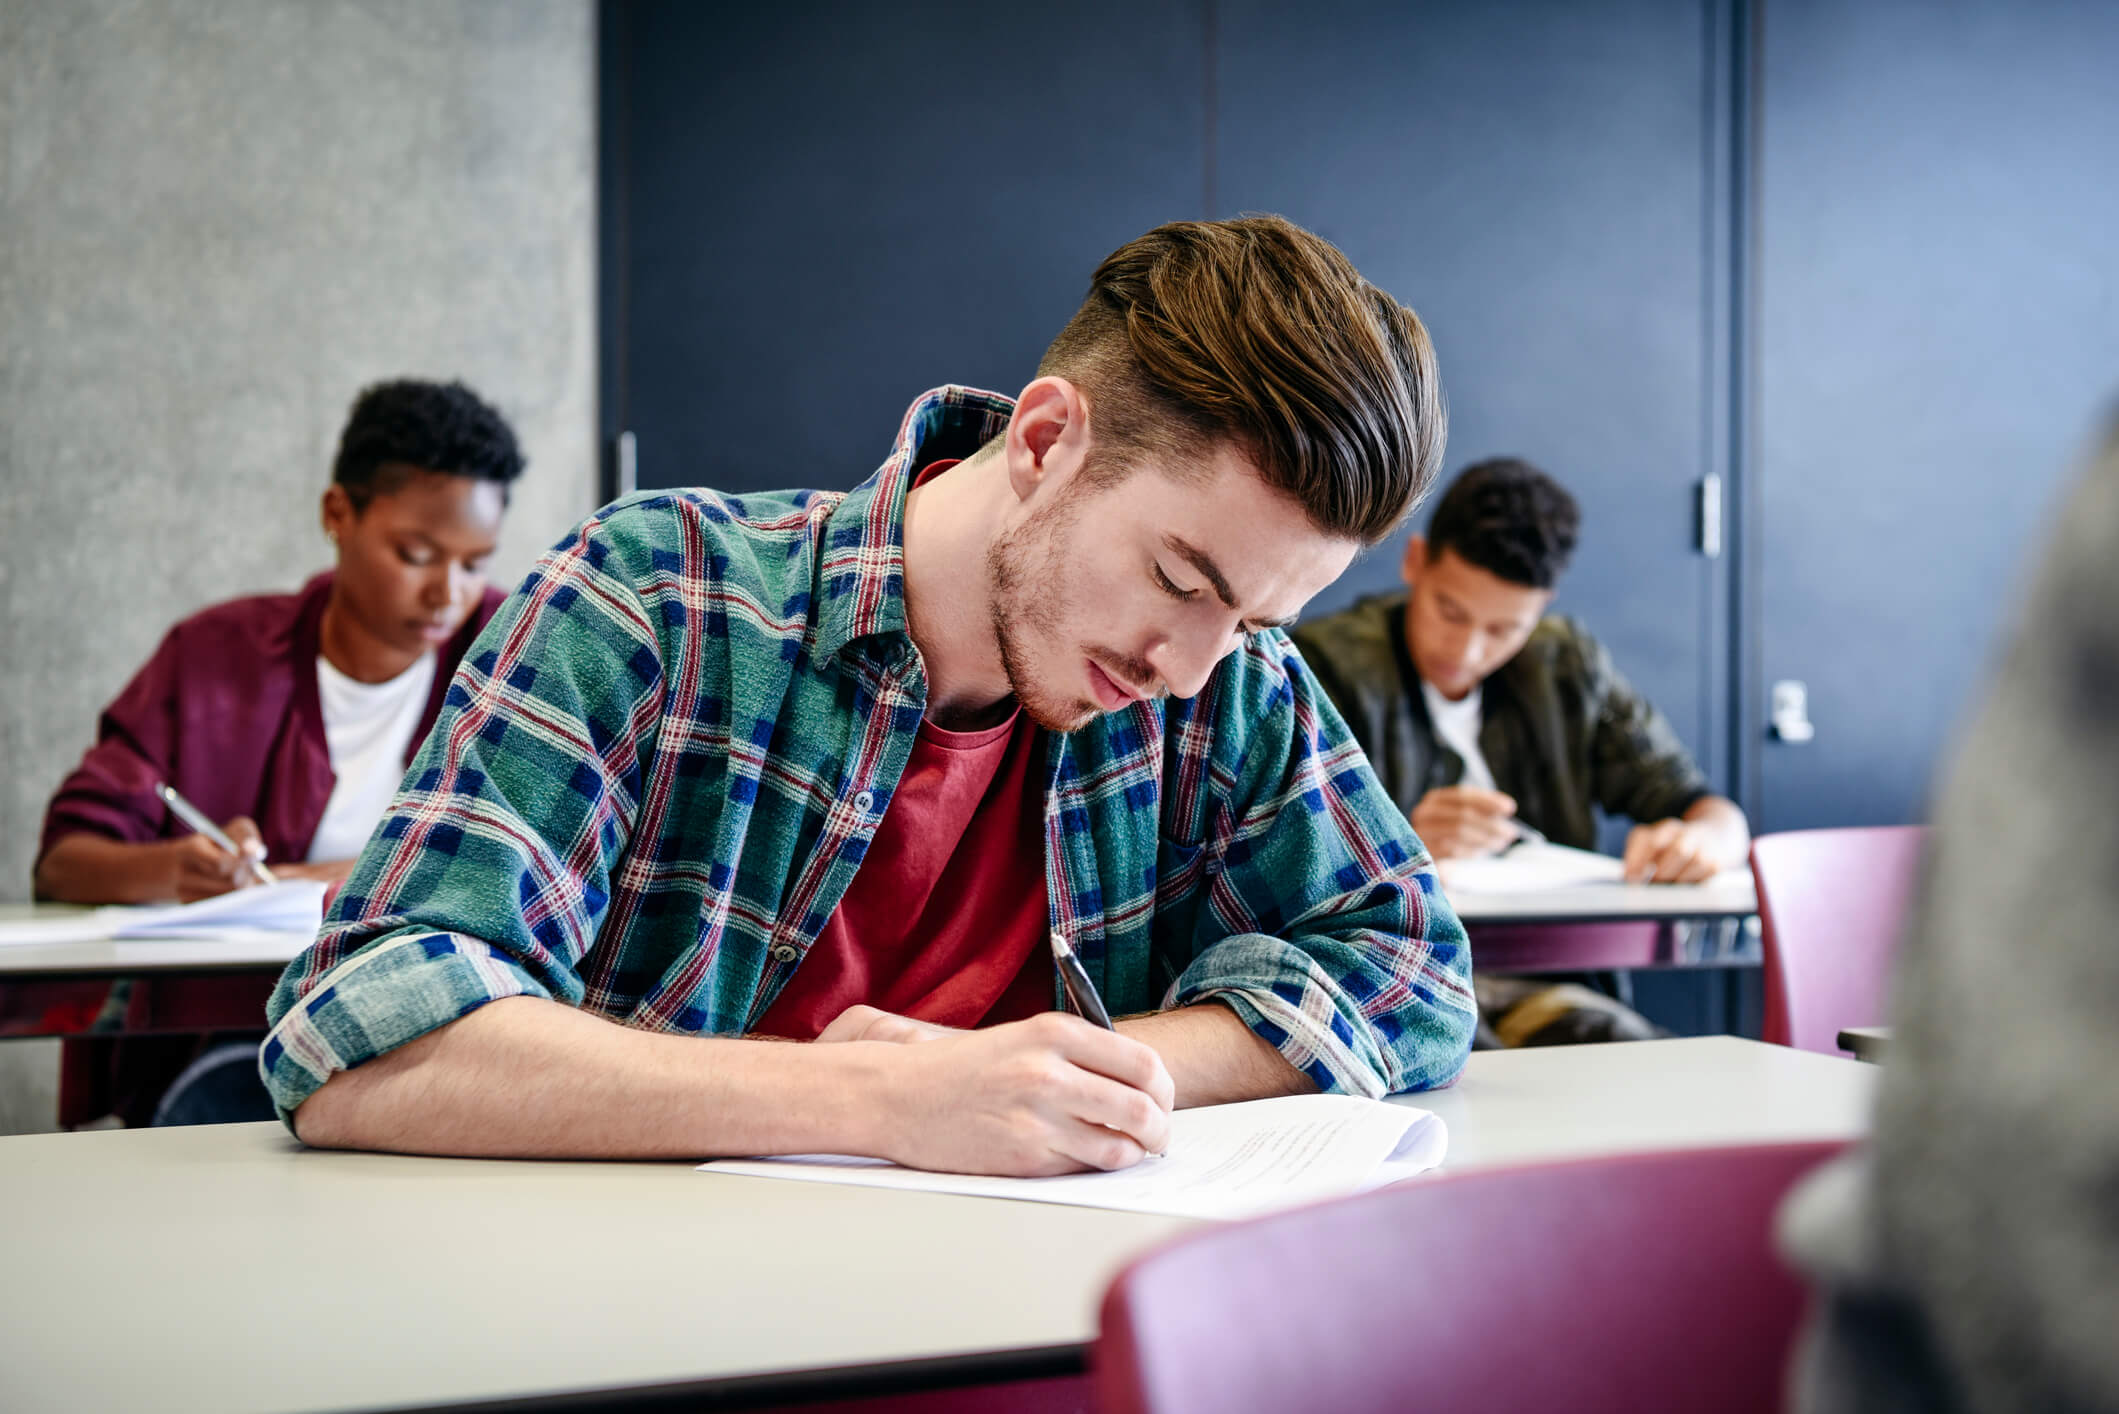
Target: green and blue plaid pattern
(658, 769)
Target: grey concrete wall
(218, 220)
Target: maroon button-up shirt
(227, 711)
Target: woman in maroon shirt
(231, 710)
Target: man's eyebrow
(1199, 559)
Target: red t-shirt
(946, 917)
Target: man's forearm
(527, 1078)
(1214, 1058)
(1725, 822)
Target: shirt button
(785, 953)
(865, 801)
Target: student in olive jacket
(1482, 712)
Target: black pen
(1080, 990)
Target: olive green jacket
(1561, 730)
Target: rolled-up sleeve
(490, 875)
(393, 990)
(1321, 922)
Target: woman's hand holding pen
(203, 869)
(1049, 1095)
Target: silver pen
(196, 818)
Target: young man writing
(832, 768)
(1483, 713)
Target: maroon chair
(1830, 903)
(1646, 1281)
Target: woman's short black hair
(1508, 518)
(408, 425)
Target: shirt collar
(861, 576)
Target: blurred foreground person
(1970, 1257)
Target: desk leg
(1622, 988)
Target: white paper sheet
(290, 906)
(1529, 867)
(1225, 1161)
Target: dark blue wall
(1855, 258)
(1938, 299)
(816, 212)
(1538, 178)
(829, 208)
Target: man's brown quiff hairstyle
(1258, 333)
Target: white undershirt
(369, 727)
(1457, 727)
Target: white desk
(104, 957)
(1732, 895)
(243, 951)
(226, 1268)
(61, 989)
(1583, 925)
(1553, 1102)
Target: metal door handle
(1790, 717)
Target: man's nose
(1185, 663)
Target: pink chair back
(1830, 903)
(1646, 1281)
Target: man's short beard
(1014, 606)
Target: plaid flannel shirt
(657, 770)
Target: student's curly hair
(1508, 518)
(408, 425)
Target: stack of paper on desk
(290, 906)
(1225, 1161)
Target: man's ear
(1415, 558)
(1048, 437)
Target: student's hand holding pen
(1460, 822)
(1670, 852)
(1053, 1094)
(204, 869)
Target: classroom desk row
(50, 989)
(227, 1268)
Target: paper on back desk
(1529, 867)
(290, 906)
(1225, 1161)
